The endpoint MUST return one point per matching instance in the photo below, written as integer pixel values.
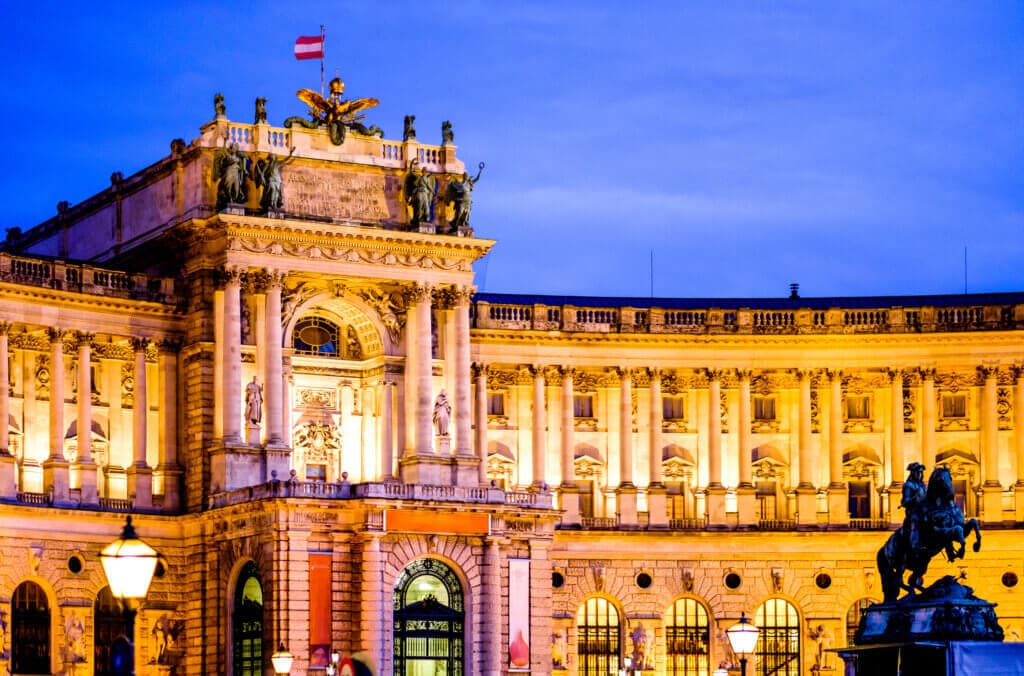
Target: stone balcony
(79, 278)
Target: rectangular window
(583, 405)
(673, 407)
(858, 407)
(316, 472)
(954, 406)
(496, 403)
(764, 408)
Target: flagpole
(323, 53)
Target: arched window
(687, 639)
(316, 336)
(247, 623)
(853, 618)
(109, 625)
(30, 630)
(598, 637)
(778, 645)
(429, 620)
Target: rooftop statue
(230, 166)
(334, 112)
(267, 174)
(933, 524)
(420, 188)
(447, 135)
(219, 109)
(261, 110)
(460, 193)
(409, 128)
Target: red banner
(319, 609)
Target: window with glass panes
(30, 630)
(853, 618)
(687, 639)
(598, 637)
(778, 645)
(247, 623)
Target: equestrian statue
(933, 523)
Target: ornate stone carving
(584, 381)
(909, 410)
(1004, 409)
(317, 442)
(127, 385)
(500, 379)
(390, 306)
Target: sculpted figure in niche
(641, 645)
(823, 641)
(442, 414)
(164, 635)
(74, 634)
(558, 649)
(460, 194)
(420, 187)
(254, 402)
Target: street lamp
(282, 660)
(743, 639)
(129, 564)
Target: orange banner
(319, 609)
(416, 521)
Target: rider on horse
(914, 492)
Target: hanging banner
(319, 609)
(519, 614)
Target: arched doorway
(598, 637)
(30, 630)
(247, 623)
(429, 621)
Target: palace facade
(336, 444)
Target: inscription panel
(338, 195)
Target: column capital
(84, 338)
(461, 295)
(139, 344)
(553, 375)
(259, 279)
(56, 335)
(926, 372)
(480, 369)
(988, 371)
(169, 345)
(804, 373)
(418, 292)
(1018, 372)
(895, 375)
(5, 328)
(537, 371)
(744, 374)
(225, 275)
(834, 374)
(713, 374)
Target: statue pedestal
(427, 228)
(444, 445)
(252, 434)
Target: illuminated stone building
(619, 480)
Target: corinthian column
(168, 470)
(232, 357)
(55, 468)
(928, 417)
(8, 485)
(85, 465)
(272, 379)
(463, 410)
(480, 371)
(746, 495)
(657, 512)
(140, 476)
(806, 496)
(838, 491)
(539, 420)
(423, 345)
(626, 492)
(715, 490)
(897, 463)
(992, 495)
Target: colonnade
(57, 470)
(809, 481)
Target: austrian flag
(307, 47)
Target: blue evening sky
(854, 147)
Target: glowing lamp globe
(129, 564)
(282, 660)
(742, 636)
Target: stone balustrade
(57, 274)
(922, 314)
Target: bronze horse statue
(941, 526)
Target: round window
(823, 580)
(733, 581)
(314, 336)
(75, 565)
(643, 580)
(1009, 579)
(557, 580)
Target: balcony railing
(56, 274)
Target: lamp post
(743, 639)
(282, 660)
(129, 564)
